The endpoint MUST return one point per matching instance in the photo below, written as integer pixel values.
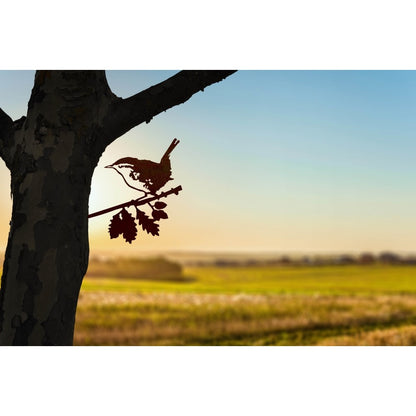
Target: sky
(276, 161)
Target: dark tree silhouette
(51, 154)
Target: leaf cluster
(123, 223)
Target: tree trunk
(46, 257)
(72, 116)
(51, 170)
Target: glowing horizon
(284, 161)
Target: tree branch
(6, 130)
(137, 202)
(6, 124)
(125, 114)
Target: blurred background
(295, 225)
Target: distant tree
(389, 258)
(366, 258)
(51, 154)
(344, 259)
(285, 260)
(411, 260)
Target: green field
(325, 305)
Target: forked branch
(6, 130)
(124, 114)
(6, 124)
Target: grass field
(326, 305)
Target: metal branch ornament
(153, 176)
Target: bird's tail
(170, 149)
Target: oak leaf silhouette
(158, 214)
(129, 226)
(148, 224)
(116, 226)
(160, 205)
(123, 223)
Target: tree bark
(72, 116)
(51, 158)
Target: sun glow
(268, 160)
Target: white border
(184, 34)
(208, 381)
(187, 35)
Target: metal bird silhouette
(153, 175)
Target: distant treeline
(135, 268)
(343, 259)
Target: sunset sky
(287, 161)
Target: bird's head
(127, 169)
(123, 166)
